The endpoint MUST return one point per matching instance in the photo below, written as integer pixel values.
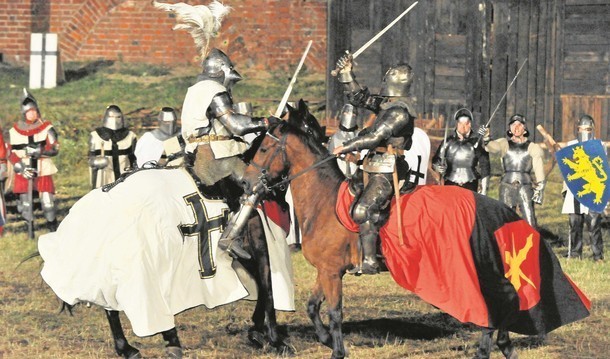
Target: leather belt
(208, 138)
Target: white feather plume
(201, 21)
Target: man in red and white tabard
(32, 143)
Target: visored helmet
(397, 81)
(517, 118)
(28, 102)
(348, 118)
(168, 121)
(218, 67)
(113, 118)
(585, 128)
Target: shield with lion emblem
(584, 167)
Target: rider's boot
(368, 238)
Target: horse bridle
(285, 179)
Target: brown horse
(288, 154)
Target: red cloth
(41, 184)
(476, 259)
(277, 215)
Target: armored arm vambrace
(368, 141)
(51, 149)
(221, 108)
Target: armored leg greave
(25, 207)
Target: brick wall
(257, 34)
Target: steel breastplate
(517, 163)
(461, 162)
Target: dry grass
(381, 320)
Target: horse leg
(313, 310)
(484, 350)
(505, 345)
(121, 345)
(264, 313)
(333, 291)
(173, 347)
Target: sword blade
(282, 104)
(505, 92)
(383, 31)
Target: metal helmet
(113, 118)
(397, 81)
(585, 128)
(348, 118)
(28, 102)
(463, 112)
(514, 118)
(167, 121)
(243, 108)
(218, 67)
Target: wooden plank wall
(465, 53)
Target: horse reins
(286, 180)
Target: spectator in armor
(111, 148)
(457, 159)
(386, 140)
(152, 145)
(520, 157)
(348, 127)
(577, 212)
(32, 144)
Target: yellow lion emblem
(588, 170)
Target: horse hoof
(174, 352)
(136, 355)
(284, 349)
(256, 338)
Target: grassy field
(381, 320)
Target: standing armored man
(578, 213)
(150, 147)
(520, 157)
(111, 148)
(457, 159)
(32, 143)
(386, 139)
(213, 130)
(348, 127)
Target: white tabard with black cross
(147, 247)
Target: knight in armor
(578, 213)
(152, 146)
(214, 132)
(348, 129)
(461, 160)
(386, 140)
(111, 148)
(32, 144)
(520, 157)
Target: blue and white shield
(584, 167)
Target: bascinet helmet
(218, 67)
(397, 81)
(28, 102)
(167, 121)
(113, 118)
(585, 128)
(348, 118)
(463, 112)
(513, 119)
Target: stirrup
(234, 248)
